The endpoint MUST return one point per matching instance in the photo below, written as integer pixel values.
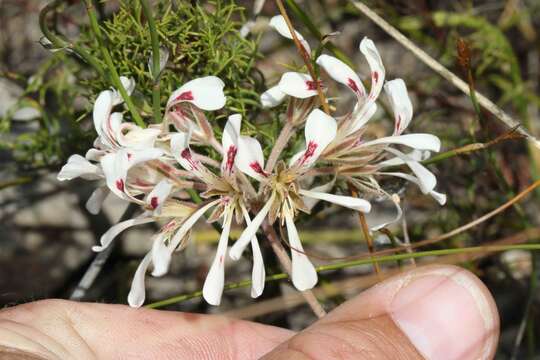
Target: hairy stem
(280, 144)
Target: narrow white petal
(272, 97)
(416, 141)
(396, 90)
(161, 257)
(188, 224)
(426, 180)
(107, 238)
(341, 200)
(368, 49)
(361, 117)
(279, 24)
(258, 273)
(249, 232)
(342, 73)
(206, 93)
(304, 275)
(250, 158)
(94, 154)
(94, 202)
(78, 166)
(102, 110)
(416, 155)
(159, 194)
(320, 130)
(229, 141)
(324, 188)
(297, 85)
(129, 86)
(215, 280)
(395, 200)
(133, 136)
(440, 198)
(137, 293)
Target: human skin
(434, 312)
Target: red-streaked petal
(396, 90)
(298, 85)
(250, 158)
(367, 47)
(342, 73)
(320, 130)
(206, 93)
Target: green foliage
(202, 40)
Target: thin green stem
(156, 96)
(94, 25)
(58, 42)
(348, 264)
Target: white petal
(345, 201)
(107, 238)
(159, 194)
(272, 97)
(367, 47)
(342, 73)
(188, 224)
(94, 154)
(320, 130)
(215, 280)
(396, 90)
(129, 86)
(426, 180)
(133, 136)
(440, 198)
(416, 141)
(362, 116)
(229, 141)
(78, 166)
(279, 24)
(304, 275)
(161, 257)
(137, 293)
(93, 205)
(249, 232)
(182, 152)
(258, 273)
(206, 93)
(416, 155)
(395, 200)
(297, 85)
(250, 158)
(324, 188)
(101, 112)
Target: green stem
(347, 264)
(156, 97)
(58, 42)
(110, 65)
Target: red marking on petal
(129, 156)
(398, 123)
(120, 184)
(257, 168)
(312, 146)
(354, 86)
(312, 85)
(231, 155)
(221, 259)
(186, 154)
(375, 76)
(187, 95)
(154, 202)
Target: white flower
(286, 195)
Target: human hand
(438, 312)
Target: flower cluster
(158, 168)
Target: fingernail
(447, 314)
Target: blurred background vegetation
(46, 94)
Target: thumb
(432, 312)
